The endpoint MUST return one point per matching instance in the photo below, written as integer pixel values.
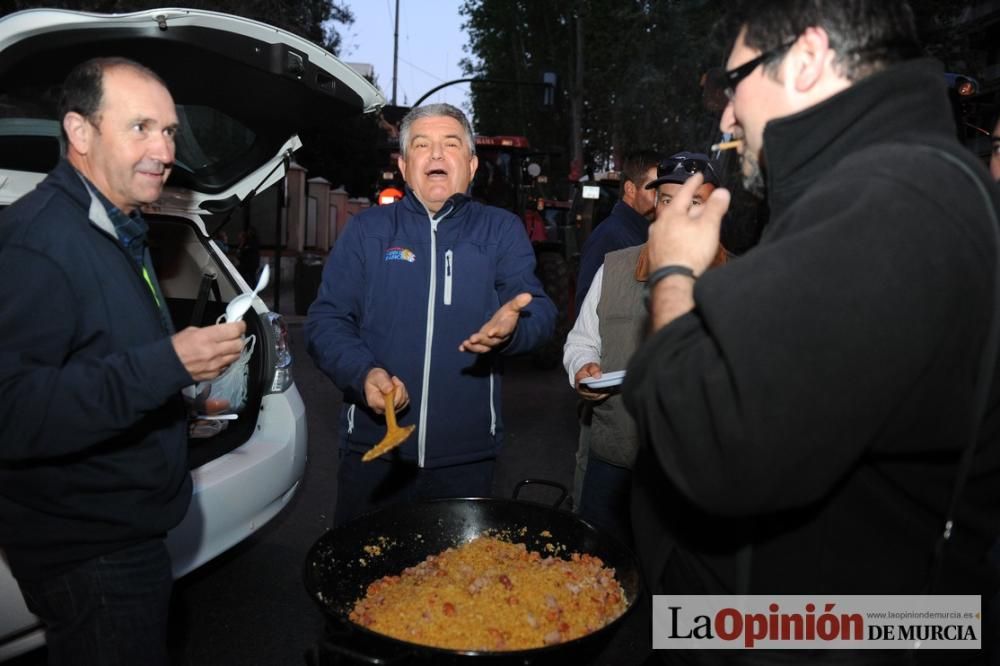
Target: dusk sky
(431, 43)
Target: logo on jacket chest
(400, 254)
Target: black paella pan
(342, 563)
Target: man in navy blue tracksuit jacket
(418, 298)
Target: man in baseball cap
(672, 172)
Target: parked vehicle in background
(243, 89)
(558, 216)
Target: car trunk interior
(213, 75)
(183, 262)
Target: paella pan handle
(329, 653)
(563, 492)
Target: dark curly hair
(867, 35)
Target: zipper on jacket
(350, 419)
(493, 411)
(428, 345)
(447, 276)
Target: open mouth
(436, 173)
(150, 168)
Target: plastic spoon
(239, 305)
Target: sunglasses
(736, 75)
(688, 165)
(720, 84)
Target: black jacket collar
(889, 106)
(67, 178)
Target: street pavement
(249, 606)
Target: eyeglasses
(736, 75)
(689, 165)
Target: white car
(243, 89)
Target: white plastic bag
(230, 386)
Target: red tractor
(511, 175)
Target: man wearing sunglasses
(674, 172)
(806, 411)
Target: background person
(221, 240)
(609, 328)
(628, 223)
(626, 226)
(804, 410)
(674, 171)
(421, 298)
(93, 428)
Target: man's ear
(813, 59)
(78, 132)
(473, 166)
(630, 190)
(401, 163)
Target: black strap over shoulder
(984, 377)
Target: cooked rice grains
(491, 595)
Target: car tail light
(282, 377)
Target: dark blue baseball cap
(680, 166)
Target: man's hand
(686, 235)
(589, 370)
(683, 235)
(205, 352)
(215, 406)
(377, 384)
(499, 328)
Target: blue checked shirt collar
(131, 229)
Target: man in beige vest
(610, 326)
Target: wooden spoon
(394, 435)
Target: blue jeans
(580, 471)
(606, 498)
(109, 611)
(366, 486)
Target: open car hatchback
(243, 91)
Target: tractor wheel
(553, 272)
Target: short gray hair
(434, 111)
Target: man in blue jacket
(93, 428)
(419, 299)
(628, 223)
